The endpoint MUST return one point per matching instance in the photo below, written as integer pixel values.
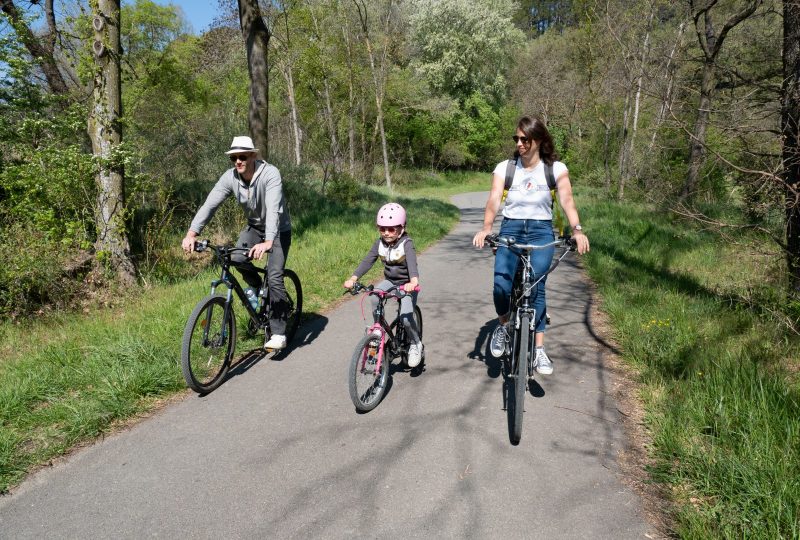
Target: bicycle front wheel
(208, 344)
(521, 374)
(367, 381)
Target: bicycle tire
(207, 346)
(521, 381)
(367, 386)
(399, 330)
(294, 294)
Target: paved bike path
(278, 450)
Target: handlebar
(495, 240)
(396, 291)
(203, 245)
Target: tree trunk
(286, 69)
(630, 171)
(666, 102)
(697, 143)
(623, 151)
(710, 43)
(377, 79)
(105, 132)
(790, 120)
(256, 39)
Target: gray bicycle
(517, 364)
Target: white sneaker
(542, 362)
(415, 354)
(276, 342)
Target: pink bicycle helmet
(391, 214)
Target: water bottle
(252, 297)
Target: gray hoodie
(261, 200)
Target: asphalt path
(278, 450)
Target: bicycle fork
(381, 348)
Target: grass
(696, 317)
(689, 312)
(69, 377)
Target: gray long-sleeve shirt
(261, 199)
(399, 259)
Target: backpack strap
(551, 178)
(511, 168)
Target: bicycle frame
(223, 256)
(523, 302)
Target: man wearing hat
(257, 187)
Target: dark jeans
(526, 231)
(275, 265)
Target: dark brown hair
(535, 129)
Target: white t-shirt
(529, 196)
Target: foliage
(463, 46)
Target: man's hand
(189, 241)
(258, 250)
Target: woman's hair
(535, 129)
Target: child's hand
(409, 287)
(350, 282)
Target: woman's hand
(479, 239)
(350, 282)
(582, 241)
(410, 286)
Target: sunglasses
(391, 229)
(239, 157)
(517, 138)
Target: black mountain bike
(209, 339)
(368, 376)
(518, 363)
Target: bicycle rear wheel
(209, 340)
(367, 382)
(399, 330)
(521, 374)
(294, 297)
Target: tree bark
(105, 131)
(711, 44)
(256, 38)
(790, 120)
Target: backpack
(512, 167)
(551, 183)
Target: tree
(464, 47)
(105, 132)
(378, 73)
(42, 50)
(790, 123)
(710, 44)
(256, 39)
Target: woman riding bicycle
(528, 217)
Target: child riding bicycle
(396, 250)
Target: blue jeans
(526, 231)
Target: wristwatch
(577, 227)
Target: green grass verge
(690, 312)
(68, 378)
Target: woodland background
(682, 104)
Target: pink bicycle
(369, 368)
